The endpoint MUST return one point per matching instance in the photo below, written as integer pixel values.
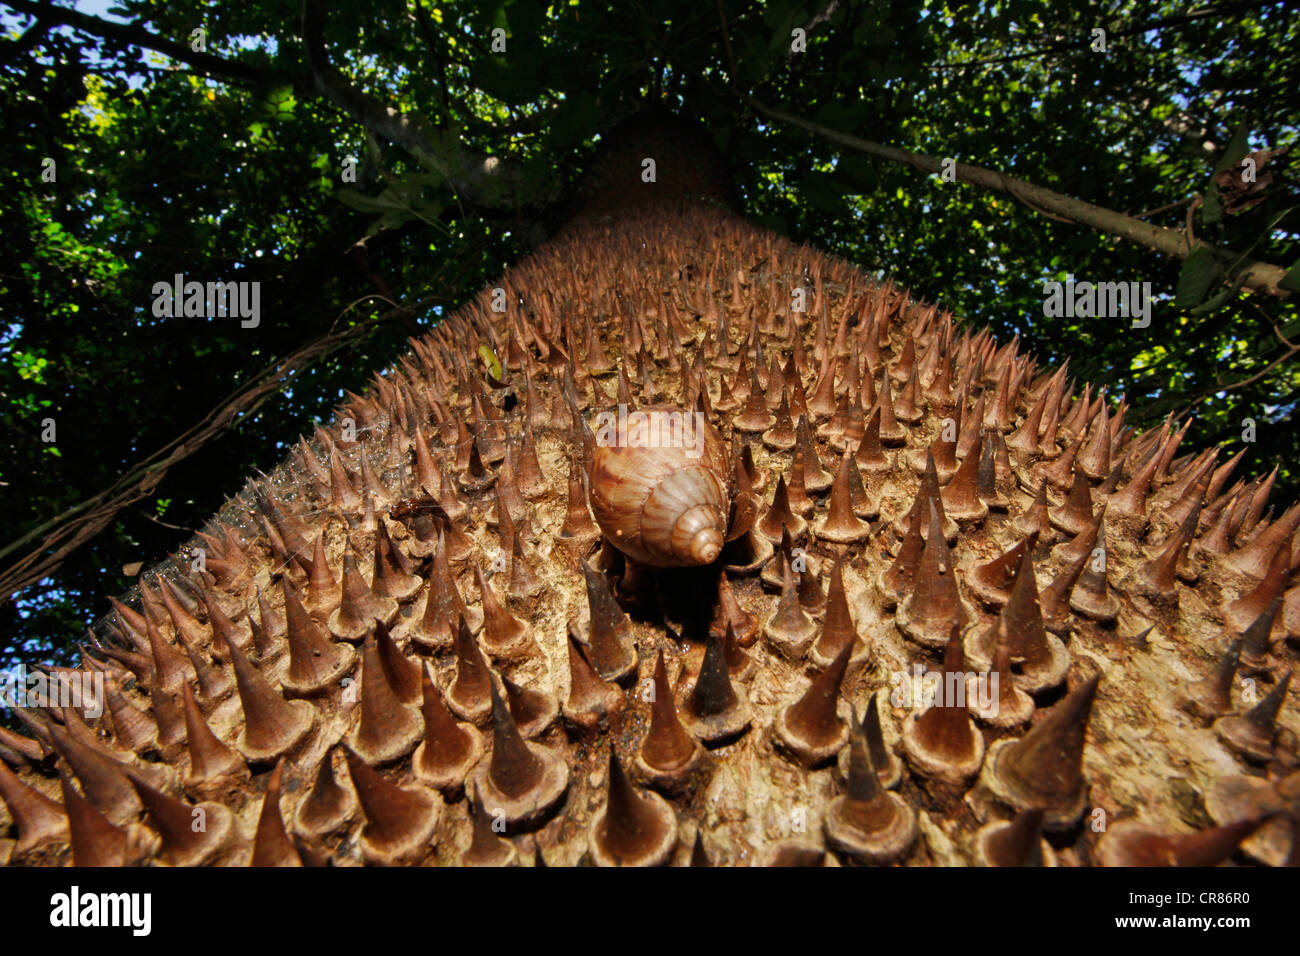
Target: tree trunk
(460, 484)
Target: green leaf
(279, 103)
(1211, 207)
(1291, 281)
(1196, 277)
(1238, 147)
(363, 203)
(1236, 151)
(1217, 300)
(390, 220)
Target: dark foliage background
(226, 164)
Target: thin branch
(1191, 214)
(1168, 208)
(1201, 396)
(62, 535)
(166, 524)
(1294, 347)
(1261, 276)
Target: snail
(659, 487)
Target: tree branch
(1260, 276)
(407, 133)
(131, 34)
(427, 30)
(475, 178)
(726, 43)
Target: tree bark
(453, 486)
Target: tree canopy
(371, 165)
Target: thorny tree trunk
(297, 685)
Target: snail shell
(659, 494)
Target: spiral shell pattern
(663, 504)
